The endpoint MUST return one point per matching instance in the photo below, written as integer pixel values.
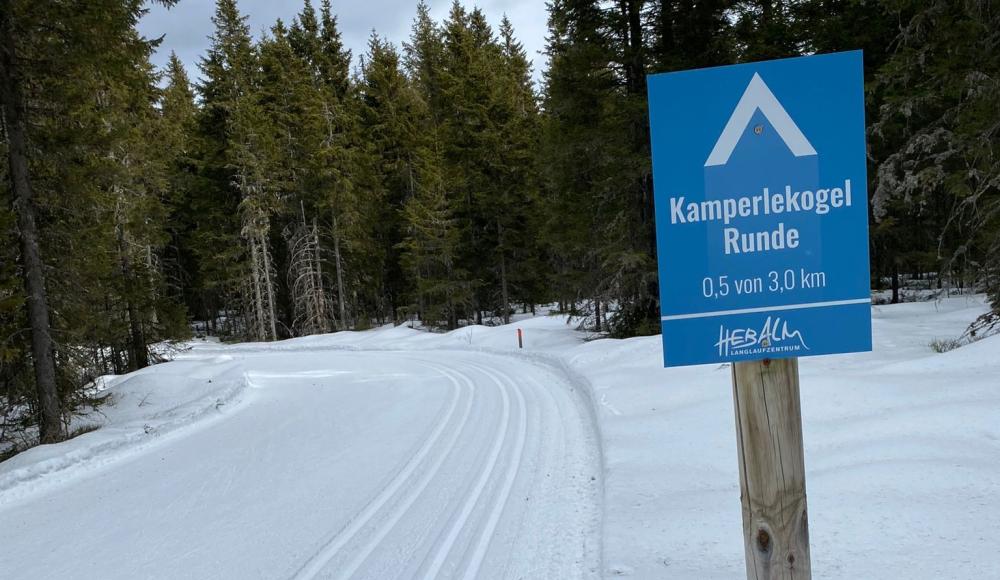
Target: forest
(290, 188)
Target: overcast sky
(188, 24)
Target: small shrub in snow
(945, 344)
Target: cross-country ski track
(335, 464)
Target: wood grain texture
(772, 469)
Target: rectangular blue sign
(762, 209)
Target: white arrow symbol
(758, 96)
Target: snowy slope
(397, 453)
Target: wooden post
(772, 469)
(520, 339)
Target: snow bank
(145, 408)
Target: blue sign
(762, 209)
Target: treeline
(293, 190)
(316, 200)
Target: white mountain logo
(758, 96)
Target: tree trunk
(635, 66)
(151, 265)
(504, 294)
(259, 331)
(138, 353)
(269, 288)
(340, 275)
(321, 301)
(597, 315)
(895, 283)
(665, 28)
(504, 291)
(50, 424)
(452, 315)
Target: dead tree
(310, 296)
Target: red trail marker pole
(520, 338)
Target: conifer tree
(465, 78)
(87, 194)
(689, 34)
(335, 63)
(16, 24)
(936, 191)
(139, 193)
(177, 141)
(336, 169)
(431, 247)
(17, 388)
(423, 55)
(629, 253)
(765, 29)
(579, 86)
(512, 194)
(392, 118)
(238, 143)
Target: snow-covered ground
(902, 449)
(396, 453)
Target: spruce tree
(431, 246)
(688, 34)
(935, 137)
(337, 168)
(579, 86)
(139, 194)
(89, 193)
(16, 24)
(628, 257)
(765, 29)
(392, 120)
(510, 199)
(178, 143)
(236, 158)
(422, 57)
(292, 102)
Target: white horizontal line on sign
(766, 309)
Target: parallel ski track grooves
(470, 503)
(325, 554)
(512, 470)
(400, 511)
(455, 374)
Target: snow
(145, 407)
(398, 453)
(901, 454)
(328, 463)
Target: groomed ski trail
(346, 465)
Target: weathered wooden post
(520, 338)
(772, 469)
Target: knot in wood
(763, 540)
